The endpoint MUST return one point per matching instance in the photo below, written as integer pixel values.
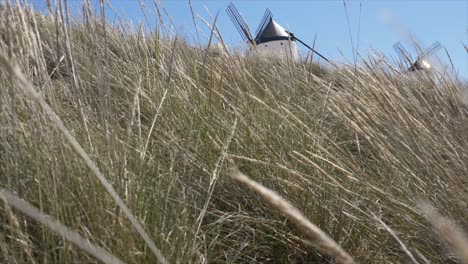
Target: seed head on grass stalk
(321, 240)
(447, 231)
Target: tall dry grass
(163, 123)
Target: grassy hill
(175, 130)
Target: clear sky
(380, 23)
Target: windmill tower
(271, 39)
(421, 63)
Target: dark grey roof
(271, 31)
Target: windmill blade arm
(402, 52)
(313, 50)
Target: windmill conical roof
(272, 31)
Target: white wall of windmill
(430, 76)
(426, 74)
(218, 49)
(464, 95)
(283, 49)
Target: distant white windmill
(421, 63)
(271, 38)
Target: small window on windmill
(266, 45)
(281, 43)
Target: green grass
(165, 126)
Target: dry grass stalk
(25, 243)
(71, 236)
(323, 242)
(394, 235)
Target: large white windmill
(271, 39)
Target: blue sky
(382, 23)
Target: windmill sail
(239, 23)
(266, 18)
(436, 46)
